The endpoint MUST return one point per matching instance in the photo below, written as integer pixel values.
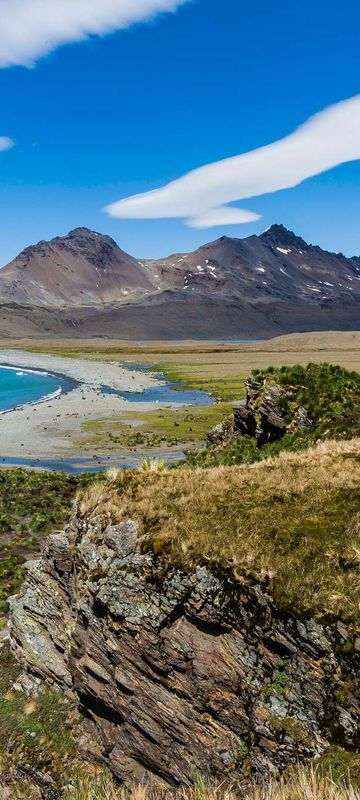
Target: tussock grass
(302, 785)
(293, 521)
(152, 465)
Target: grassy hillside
(294, 520)
(330, 395)
(287, 514)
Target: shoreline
(44, 398)
(46, 429)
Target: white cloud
(30, 29)
(330, 138)
(6, 143)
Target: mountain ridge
(83, 284)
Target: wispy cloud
(30, 29)
(6, 143)
(330, 138)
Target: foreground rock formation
(180, 673)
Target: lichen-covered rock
(180, 673)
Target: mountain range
(84, 285)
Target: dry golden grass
(303, 785)
(197, 359)
(293, 520)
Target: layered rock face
(262, 416)
(180, 673)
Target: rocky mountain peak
(278, 234)
(91, 244)
(82, 235)
(82, 268)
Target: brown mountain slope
(277, 265)
(258, 287)
(81, 268)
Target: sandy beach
(47, 429)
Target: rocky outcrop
(263, 416)
(180, 673)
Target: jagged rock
(261, 416)
(43, 782)
(29, 685)
(179, 673)
(244, 421)
(271, 426)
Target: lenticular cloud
(330, 138)
(30, 29)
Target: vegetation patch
(32, 504)
(291, 728)
(278, 684)
(226, 388)
(302, 784)
(37, 732)
(331, 397)
(342, 766)
(245, 450)
(186, 425)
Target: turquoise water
(19, 386)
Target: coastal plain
(45, 429)
(87, 421)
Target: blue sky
(100, 120)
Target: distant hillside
(83, 285)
